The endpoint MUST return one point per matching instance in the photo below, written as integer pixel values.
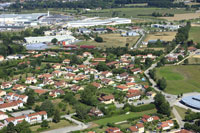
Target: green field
(123, 117)
(181, 111)
(111, 40)
(132, 12)
(180, 79)
(194, 34)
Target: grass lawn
(132, 12)
(111, 40)
(165, 36)
(62, 123)
(181, 111)
(180, 79)
(194, 34)
(123, 117)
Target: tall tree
(48, 106)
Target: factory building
(95, 22)
(47, 39)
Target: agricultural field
(180, 79)
(194, 34)
(111, 40)
(183, 16)
(194, 59)
(133, 12)
(123, 117)
(165, 36)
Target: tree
(162, 83)
(56, 117)
(48, 106)
(99, 39)
(180, 57)
(165, 109)
(88, 95)
(11, 128)
(23, 127)
(44, 123)
(81, 111)
(102, 66)
(54, 41)
(186, 61)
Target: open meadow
(132, 12)
(111, 40)
(183, 16)
(180, 79)
(165, 36)
(194, 34)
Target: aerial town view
(99, 66)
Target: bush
(99, 39)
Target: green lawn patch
(180, 79)
(181, 111)
(123, 117)
(194, 34)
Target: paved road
(178, 117)
(139, 41)
(86, 62)
(79, 126)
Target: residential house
(76, 88)
(6, 85)
(136, 70)
(56, 93)
(133, 129)
(31, 80)
(166, 125)
(40, 91)
(45, 76)
(1, 58)
(2, 93)
(48, 82)
(57, 66)
(66, 61)
(3, 116)
(97, 85)
(1, 100)
(14, 97)
(113, 130)
(122, 76)
(122, 88)
(184, 131)
(95, 112)
(11, 106)
(108, 99)
(87, 54)
(105, 74)
(99, 60)
(133, 95)
(70, 76)
(106, 81)
(60, 84)
(57, 73)
(19, 87)
(31, 118)
(138, 128)
(192, 49)
(147, 118)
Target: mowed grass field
(180, 79)
(194, 34)
(133, 12)
(165, 36)
(123, 117)
(181, 111)
(183, 16)
(111, 40)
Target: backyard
(180, 79)
(194, 34)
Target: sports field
(180, 79)
(194, 34)
(165, 36)
(111, 40)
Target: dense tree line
(30, 5)
(183, 33)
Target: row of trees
(183, 33)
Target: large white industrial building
(21, 18)
(47, 39)
(95, 22)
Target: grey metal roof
(193, 101)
